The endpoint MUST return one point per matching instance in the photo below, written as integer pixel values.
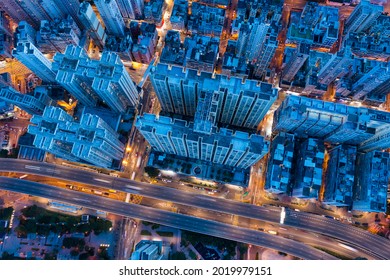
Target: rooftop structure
(33, 103)
(147, 250)
(202, 52)
(333, 122)
(234, 65)
(241, 103)
(308, 171)
(221, 146)
(70, 67)
(179, 15)
(90, 80)
(381, 26)
(112, 18)
(154, 11)
(337, 66)
(340, 176)
(33, 59)
(131, 9)
(362, 17)
(90, 140)
(92, 24)
(280, 164)
(369, 46)
(317, 25)
(142, 42)
(113, 84)
(206, 20)
(57, 35)
(371, 81)
(173, 51)
(299, 56)
(372, 179)
(25, 33)
(120, 45)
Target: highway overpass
(165, 218)
(377, 246)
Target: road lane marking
(133, 187)
(206, 198)
(102, 180)
(32, 167)
(81, 199)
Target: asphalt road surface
(165, 218)
(376, 246)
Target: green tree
(192, 255)
(72, 242)
(152, 172)
(3, 153)
(83, 256)
(14, 153)
(31, 226)
(155, 226)
(84, 227)
(6, 213)
(7, 256)
(74, 253)
(177, 256)
(101, 225)
(103, 254)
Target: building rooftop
(206, 20)
(316, 24)
(179, 14)
(340, 175)
(154, 10)
(371, 184)
(173, 51)
(308, 171)
(280, 164)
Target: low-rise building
(173, 51)
(308, 171)
(179, 16)
(340, 176)
(33, 103)
(202, 52)
(55, 36)
(317, 25)
(147, 250)
(372, 180)
(280, 164)
(334, 122)
(154, 11)
(206, 20)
